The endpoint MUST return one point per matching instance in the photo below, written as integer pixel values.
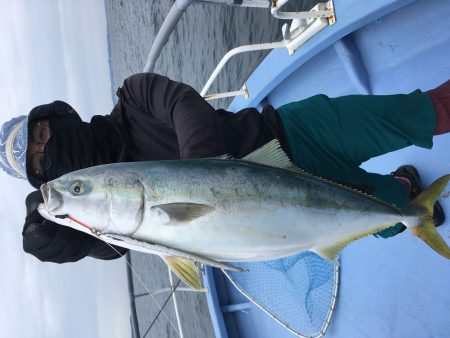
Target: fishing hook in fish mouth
(93, 230)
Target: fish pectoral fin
(173, 213)
(185, 269)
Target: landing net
(298, 292)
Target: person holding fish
(160, 119)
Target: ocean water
(204, 34)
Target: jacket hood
(46, 111)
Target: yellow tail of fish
(426, 230)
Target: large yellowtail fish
(223, 210)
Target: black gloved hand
(32, 203)
(34, 222)
(51, 242)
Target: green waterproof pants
(331, 137)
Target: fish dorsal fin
(185, 269)
(330, 252)
(271, 154)
(176, 213)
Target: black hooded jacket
(155, 119)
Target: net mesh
(298, 291)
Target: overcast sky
(54, 50)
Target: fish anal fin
(185, 269)
(330, 252)
(175, 213)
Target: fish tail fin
(426, 230)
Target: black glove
(32, 203)
(52, 242)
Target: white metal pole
(175, 13)
(234, 51)
(175, 305)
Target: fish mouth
(52, 199)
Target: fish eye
(76, 188)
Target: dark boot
(411, 174)
(440, 97)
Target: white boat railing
(304, 25)
(228, 56)
(175, 305)
(175, 14)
